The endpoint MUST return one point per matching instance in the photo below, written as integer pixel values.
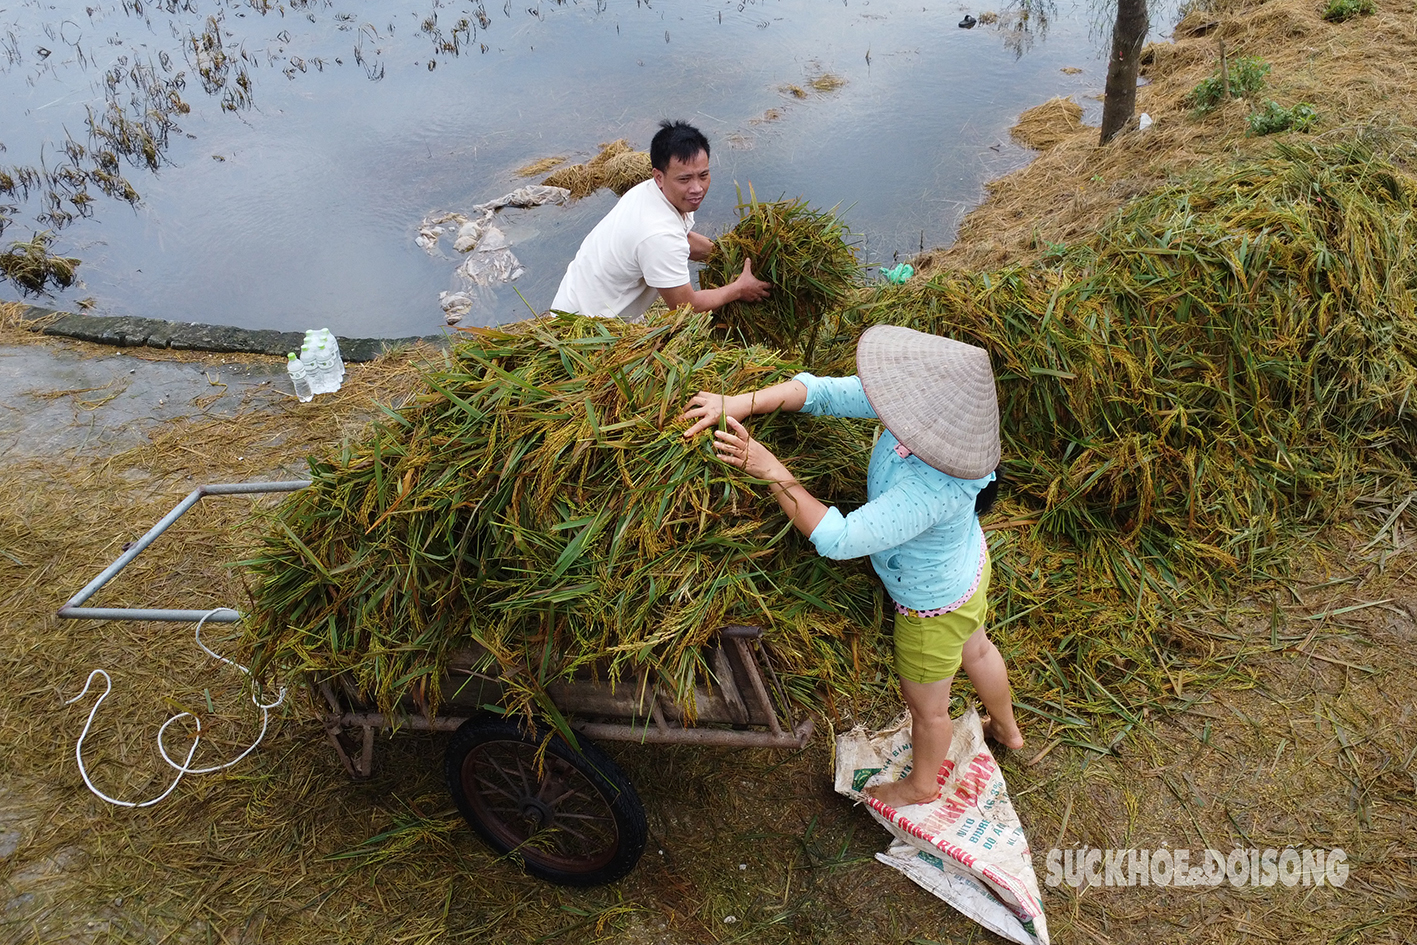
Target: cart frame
(637, 713)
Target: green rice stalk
(540, 502)
(803, 253)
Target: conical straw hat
(936, 396)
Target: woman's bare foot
(903, 793)
(1009, 738)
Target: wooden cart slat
(731, 713)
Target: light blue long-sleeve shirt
(918, 524)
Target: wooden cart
(565, 809)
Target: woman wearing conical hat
(936, 399)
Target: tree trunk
(1128, 35)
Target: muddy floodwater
(267, 164)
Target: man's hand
(746, 288)
(750, 287)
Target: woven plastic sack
(967, 846)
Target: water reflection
(1024, 22)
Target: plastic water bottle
(333, 344)
(299, 379)
(327, 378)
(307, 358)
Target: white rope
(184, 767)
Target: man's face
(685, 183)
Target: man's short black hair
(676, 139)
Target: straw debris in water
(536, 168)
(617, 166)
(32, 267)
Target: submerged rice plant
(32, 267)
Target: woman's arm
(706, 408)
(889, 520)
(737, 448)
(893, 518)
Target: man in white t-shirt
(643, 246)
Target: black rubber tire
(574, 821)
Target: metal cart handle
(73, 611)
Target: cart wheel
(574, 819)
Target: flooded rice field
(269, 163)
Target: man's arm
(699, 246)
(746, 288)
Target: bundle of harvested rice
(540, 502)
(627, 169)
(608, 151)
(580, 179)
(804, 254)
(1228, 356)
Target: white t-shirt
(640, 247)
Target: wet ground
(59, 399)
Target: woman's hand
(736, 448)
(706, 408)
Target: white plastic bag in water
(489, 260)
(454, 305)
(966, 846)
